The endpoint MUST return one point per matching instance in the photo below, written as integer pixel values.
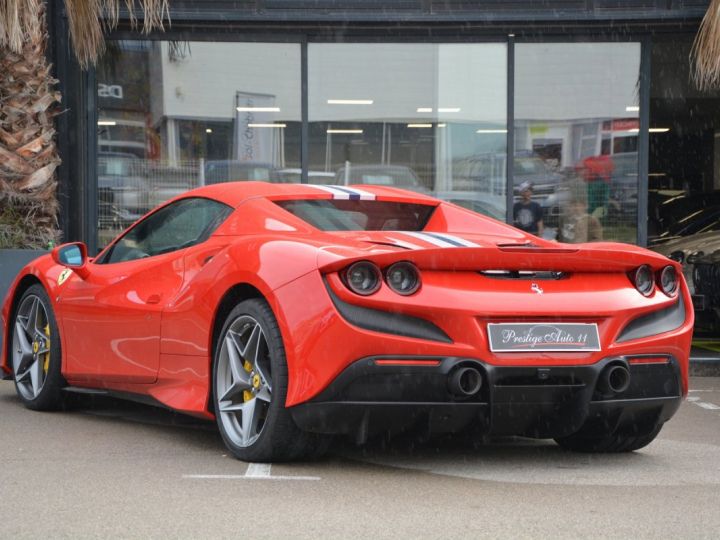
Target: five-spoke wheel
(36, 351)
(243, 381)
(250, 379)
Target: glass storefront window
(576, 140)
(684, 161)
(425, 117)
(429, 117)
(176, 115)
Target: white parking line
(258, 470)
(709, 406)
(255, 471)
(693, 398)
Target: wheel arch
(22, 285)
(231, 298)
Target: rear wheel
(619, 442)
(36, 352)
(250, 386)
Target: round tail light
(362, 278)
(403, 278)
(643, 280)
(669, 280)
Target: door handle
(153, 299)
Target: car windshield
(529, 166)
(352, 215)
(381, 176)
(115, 166)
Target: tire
(250, 381)
(35, 352)
(616, 443)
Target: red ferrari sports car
(292, 312)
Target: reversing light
(669, 280)
(362, 278)
(403, 278)
(644, 280)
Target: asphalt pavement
(108, 468)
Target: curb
(705, 366)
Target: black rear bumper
(544, 402)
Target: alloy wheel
(243, 381)
(31, 347)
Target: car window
(179, 225)
(359, 215)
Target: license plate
(543, 337)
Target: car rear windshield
(354, 215)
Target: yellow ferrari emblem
(36, 347)
(62, 278)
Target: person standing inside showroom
(527, 214)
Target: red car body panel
(146, 326)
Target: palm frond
(705, 52)
(88, 19)
(19, 23)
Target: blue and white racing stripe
(345, 192)
(441, 239)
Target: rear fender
(264, 264)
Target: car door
(111, 319)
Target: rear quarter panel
(265, 263)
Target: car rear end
(425, 326)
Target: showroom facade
(592, 100)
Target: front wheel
(250, 386)
(36, 355)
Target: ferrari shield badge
(64, 275)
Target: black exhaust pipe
(465, 381)
(615, 379)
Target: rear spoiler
(522, 257)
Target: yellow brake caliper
(247, 394)
(46, 363)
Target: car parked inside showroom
(699, 255)
(381, 175)
(289, 313)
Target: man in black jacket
(527, 214)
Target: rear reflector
(399, 362)
(649, 360)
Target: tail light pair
(645, 280)
(365, 278)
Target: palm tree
(29, 101)
(705, 53)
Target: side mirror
(73, 256)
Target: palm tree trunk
(28, 153)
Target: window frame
(105, 256)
